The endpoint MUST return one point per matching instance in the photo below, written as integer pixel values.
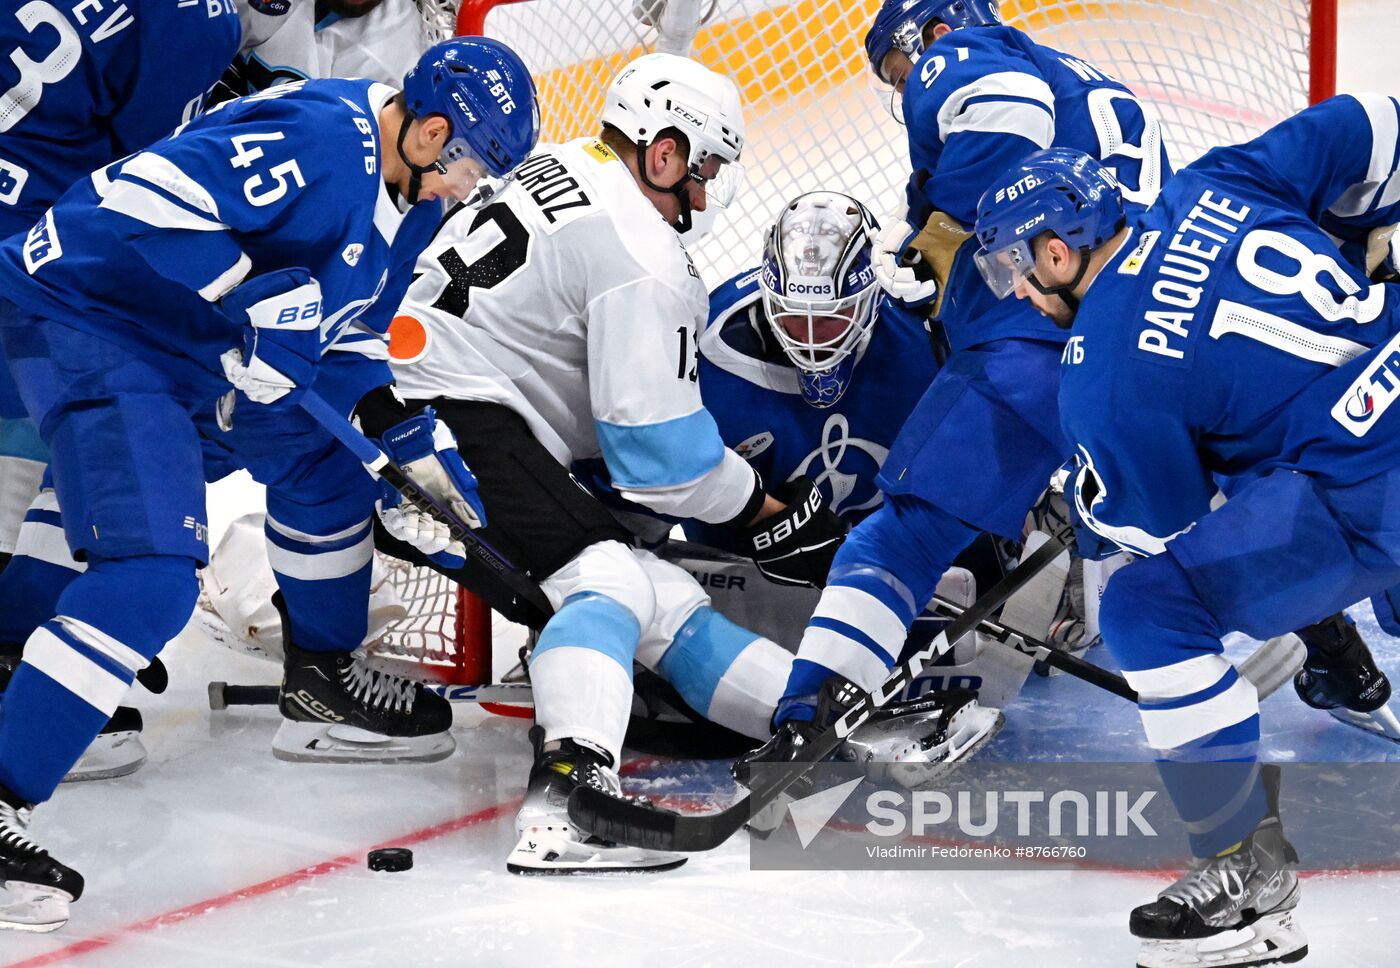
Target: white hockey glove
(426, 450)
(281, 313)
(895, 266)
(1383, 254)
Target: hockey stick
(639, 825)
(1043, 652)
(1267, 668)
(378, 463)
(223, 694)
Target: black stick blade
(642, 825)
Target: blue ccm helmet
(485, 92)
(819, 289)
(1057, 190)
(899, 24)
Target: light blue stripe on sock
(702, 652)
(592, 621)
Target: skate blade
(1380, 723)
(981, 726)
(300, 742)
(33, 907)
(1272, 940)
(556, 850)
(111, 755)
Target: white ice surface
(216, 854)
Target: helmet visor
(1005, 269)
(466, 177)
(722, 180)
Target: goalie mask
(819, 290)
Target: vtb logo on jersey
(41, 245)
(1372, 393)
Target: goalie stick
(641, 825)
(378, 463)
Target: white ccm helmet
(660, 91)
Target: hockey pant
(1282, 553)
(613, 604)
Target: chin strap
(683, 224)
(1066, 292)
(415, 180)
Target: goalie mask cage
(1215, 72)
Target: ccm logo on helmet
(789, 525)
(696, 121)
(1023, 229)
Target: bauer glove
(426, 450)
(796, 545)
(281, 315)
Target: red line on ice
(98, 942)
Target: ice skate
(1341, 677)
(117, 750)
(35, 889)
(1231, 911)
(915, 742)
(910, 743)
(336, 709)
(549, 843)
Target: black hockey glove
(796, 545)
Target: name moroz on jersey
(81, 83)
(572, 302)
(138, 252)
(983, 98)
(751, 388)
(1234, 331)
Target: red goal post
(1216, 71)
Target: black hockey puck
(391, 859)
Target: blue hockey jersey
(1229, 336)
(750, 387)
(139, 252)
(978, 101)
(83, 83)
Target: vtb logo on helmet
(478, 85)
(1057, 190)
(819, 291)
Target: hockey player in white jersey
(560, 324)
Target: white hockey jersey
(382, 45)
(573, 302)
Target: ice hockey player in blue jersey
(114, 77)
(809, 370)
(240, 250)
(1223, 333)
(981, 445)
